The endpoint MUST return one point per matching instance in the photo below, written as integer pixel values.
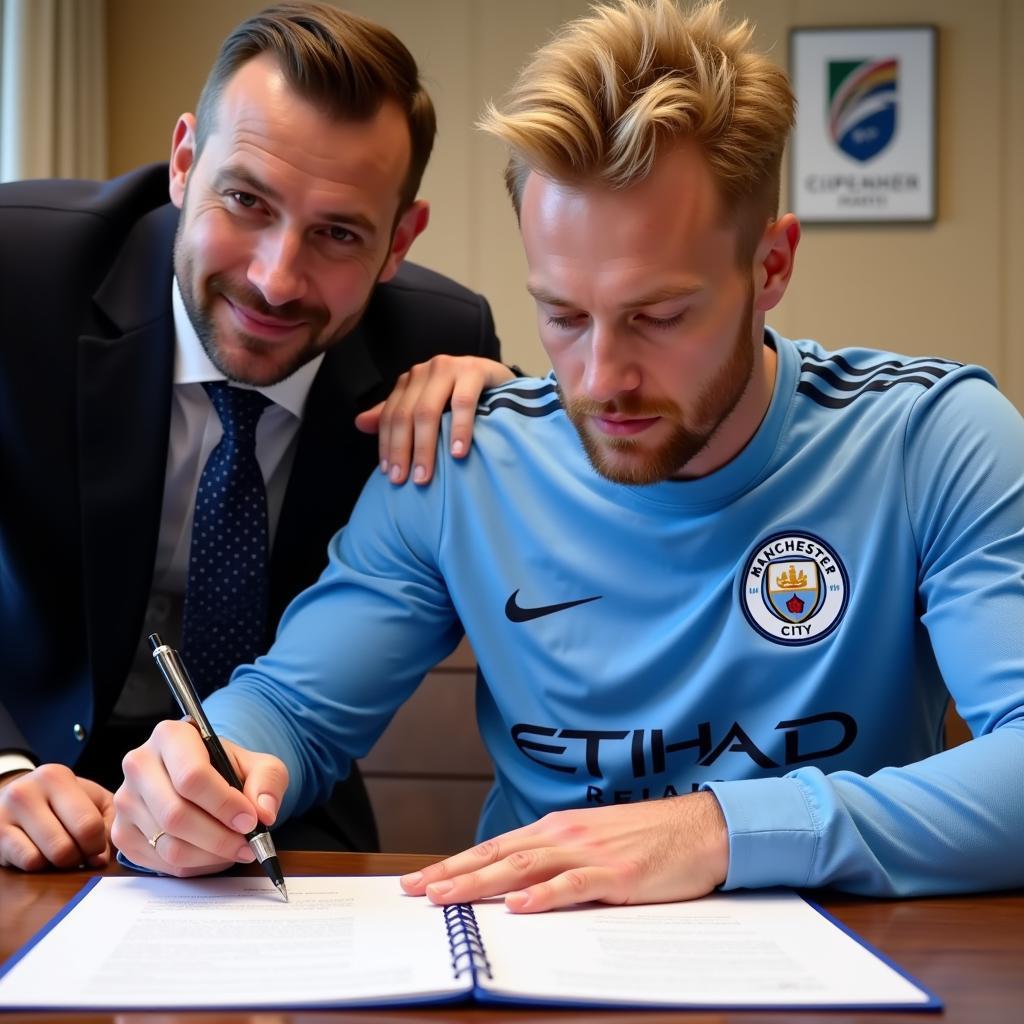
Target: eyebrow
(232, 174)
(665, 294)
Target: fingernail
(396, 473)
(383, 465)
(245, 855)
(440, 888)
(244, 822)
(517, 900)
(414, 879)
(267, 804)
(458, 447)
(419, 474)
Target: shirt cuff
(15, 763)
(773, 833)
(132, 866)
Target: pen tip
(283, 891)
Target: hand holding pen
(161, 785)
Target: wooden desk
(969, 950)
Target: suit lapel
(125, 371)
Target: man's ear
(412, 223)
(773, 261)
(183, 156)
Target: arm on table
(349, 650)
(951, 822)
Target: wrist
(716, 836)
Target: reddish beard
(628, 460)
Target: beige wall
(946, 289)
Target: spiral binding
(467, 948)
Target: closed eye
(664, 323)
(563, 322)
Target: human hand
(177, 815)
(409, 420)
(49, 817)
(658, 851)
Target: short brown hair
(341, 63)
(597, 102)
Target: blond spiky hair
(597, 102)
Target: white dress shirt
(194, 433)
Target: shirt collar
(192, 365)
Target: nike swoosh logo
(516, 613)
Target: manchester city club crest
(795, 589)
(862, 104)
(792, 593)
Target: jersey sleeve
(351, 648)
(954, 821)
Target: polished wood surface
(968, 949)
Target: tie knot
(239, 409)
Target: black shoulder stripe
(516, 406)
(830, 402)
(850, 370)
(520, 392)
(895, 371)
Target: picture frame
(864, 146)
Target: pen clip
(173, 670)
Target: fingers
(464, 400)
(95, 846)
(171, 787)
(266, 781)
(143, 839)
(578, 885)
(535, 879)
(409, 421)
(50, 817)
(18, 851)
(650, 852)
(104, 801)
(432, 879)
(368, 421)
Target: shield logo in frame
(862, 105)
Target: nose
(611, 365)
(276, 267)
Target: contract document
(128, 943)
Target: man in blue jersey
(720, 584)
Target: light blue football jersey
(785, 632)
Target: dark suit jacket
(86, 364)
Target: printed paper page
(233, 942)
(757, 949)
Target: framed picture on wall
(863, 149)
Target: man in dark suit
(292, 208)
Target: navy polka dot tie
(226, 592)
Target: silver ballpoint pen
(173, 670)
